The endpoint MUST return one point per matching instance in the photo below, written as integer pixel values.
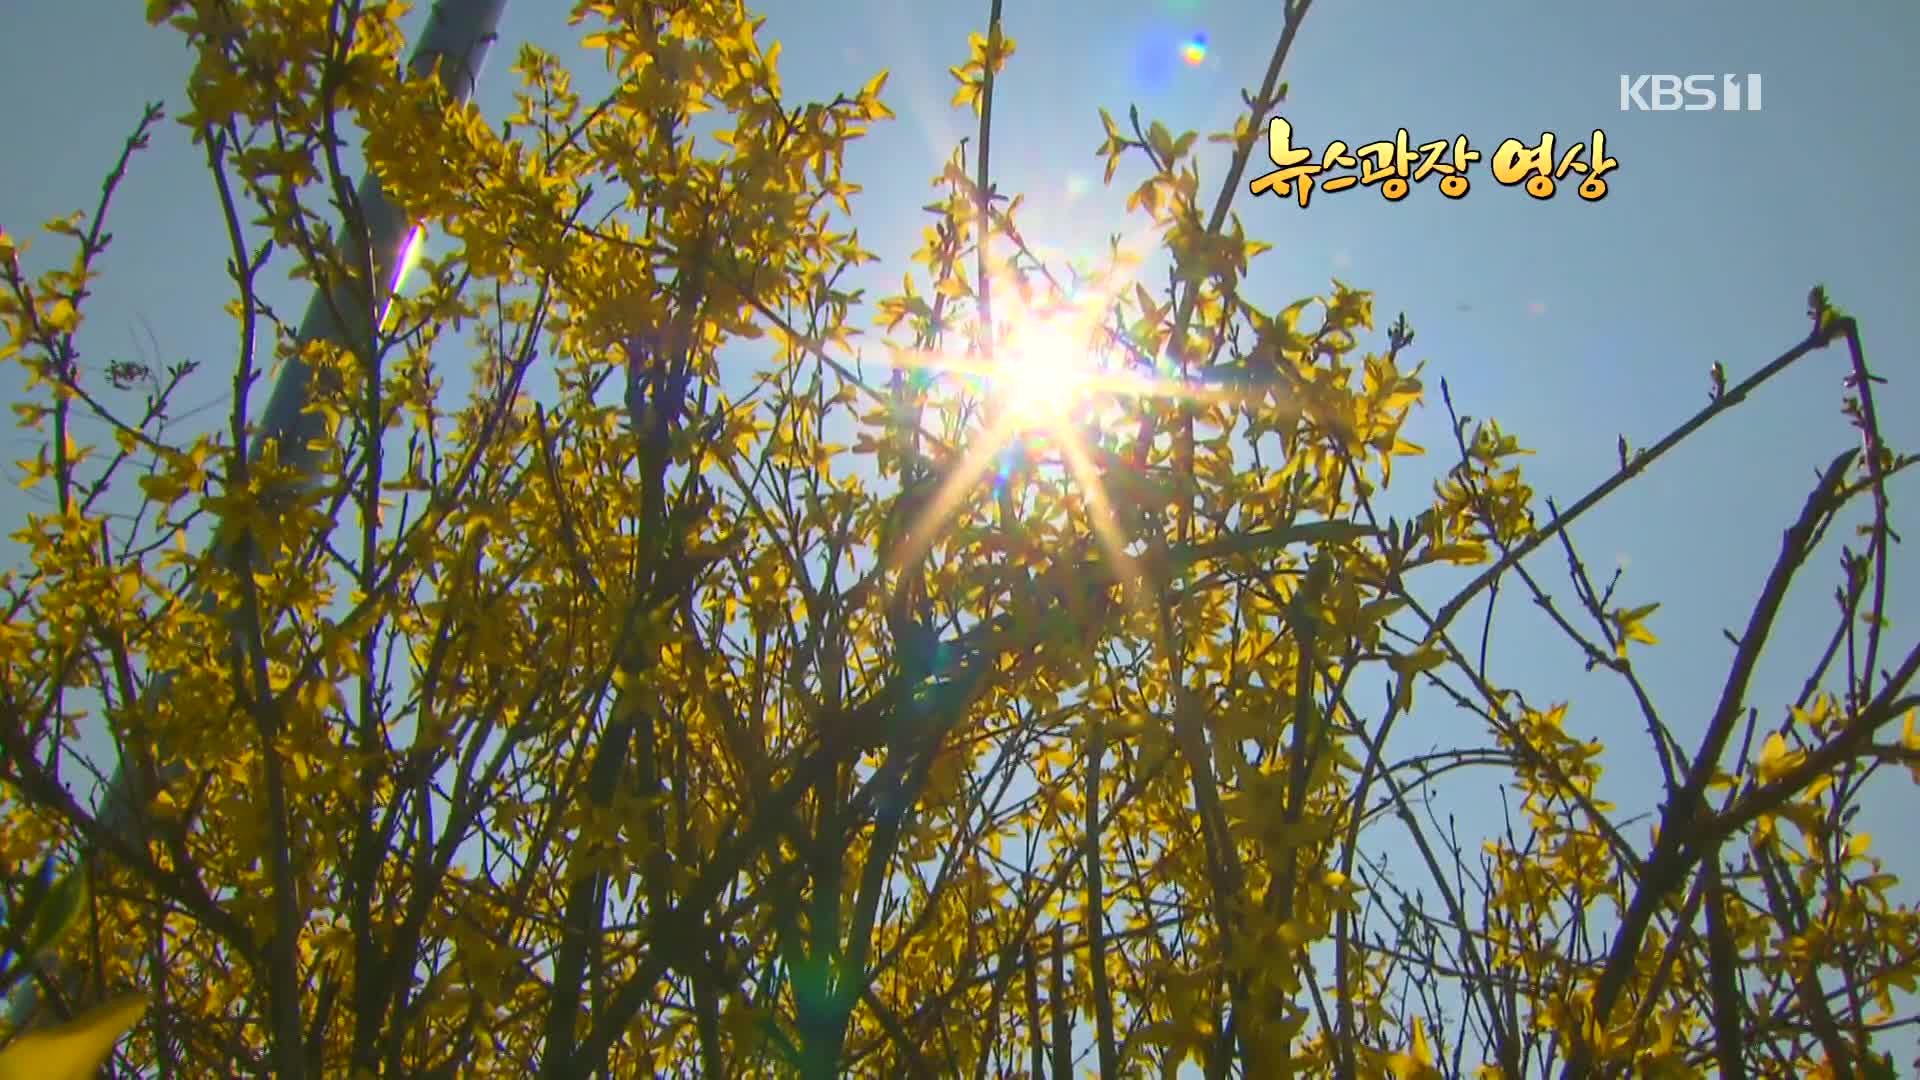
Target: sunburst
(1048, 369)
(1053, 368)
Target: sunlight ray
(958, 480)
(1102, 517)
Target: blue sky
(1571, 322)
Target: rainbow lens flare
(1194, 52)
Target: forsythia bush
(678, 717)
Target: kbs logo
(1691, 93)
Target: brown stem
(1686, 816)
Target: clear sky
(1571, 322)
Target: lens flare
(1048, 368)
(1194, 52)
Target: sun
(1047, 368)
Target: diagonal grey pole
(457, 38)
